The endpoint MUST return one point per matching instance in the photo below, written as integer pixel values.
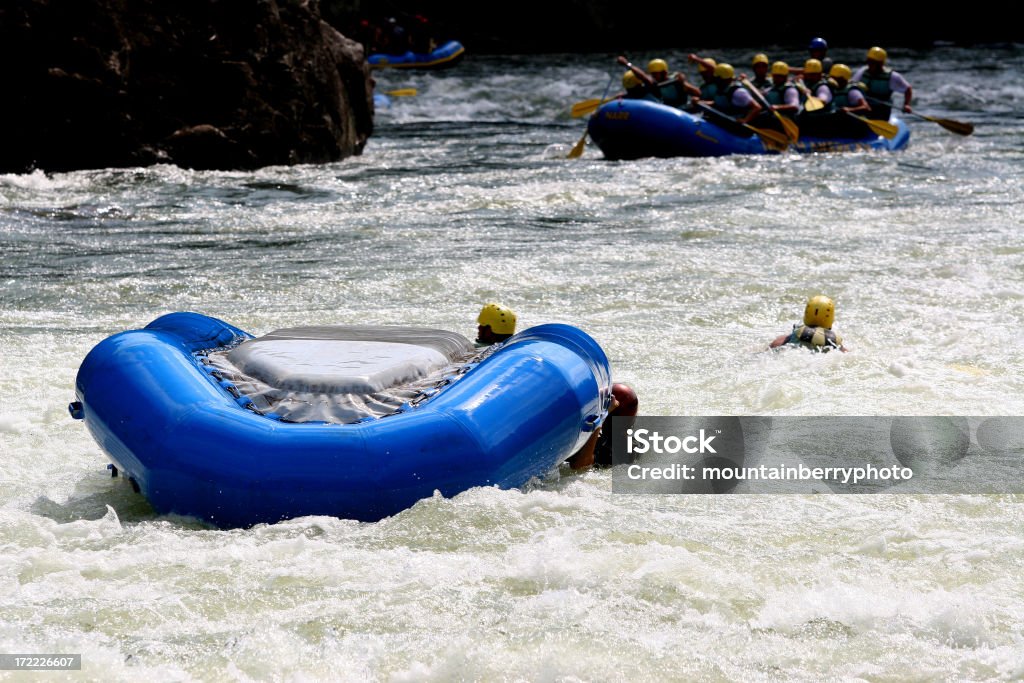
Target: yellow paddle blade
(577, 151)
(586, 107)
(401, 92)
(772, 138)
(958, 127)
(813, 103)
(789, 125)
(883, 128)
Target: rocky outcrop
(208, 85)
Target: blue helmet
(818, 44)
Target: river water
(683, 269)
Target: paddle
(813, 103)
(772, 139)
(958, 127)
(883, 128)
(401, 92)
(788, 125)
(577, 151)
(586, 107)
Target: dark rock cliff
(209, 85)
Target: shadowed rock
(209, 85)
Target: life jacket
(877, 87)
(708, 90)
(672, 92)
(777, 93)
(841, 96)
(761, 84)
(819, 339)
(723, 100)
(643, 92)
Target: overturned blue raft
(443, 56)
(355, 422)
(636, 129)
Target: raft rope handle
(226, 383)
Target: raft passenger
(815, 121)
(848, 98)
(674, 89)
(731, 98)
(783, 96)
(638, 84)
(706, 69)
(761, 80)
(880, 82)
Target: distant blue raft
(205, 421)
(443, 56)
(636, 129)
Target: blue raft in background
(635, 129)
(193, 445)
(443, 56)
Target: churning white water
(683, 269)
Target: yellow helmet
(840, 71)
(820, 312)
(780, 69)
(760, 58)
(877, 54)
(501, 320)
(812, 66)
(629, 80)
(707, 65)
(724, 70)
(657, 66)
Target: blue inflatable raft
(354, 422)
(443, 56)
(636, 129)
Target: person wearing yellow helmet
(760, 66)
(637, 83)
(813, 77)
(783, 96)
(675, 90)
(706, 69)
(816, 332)
(731, 98)
(495, 324)
(880, 83)
(848, 98)
(814, 90)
